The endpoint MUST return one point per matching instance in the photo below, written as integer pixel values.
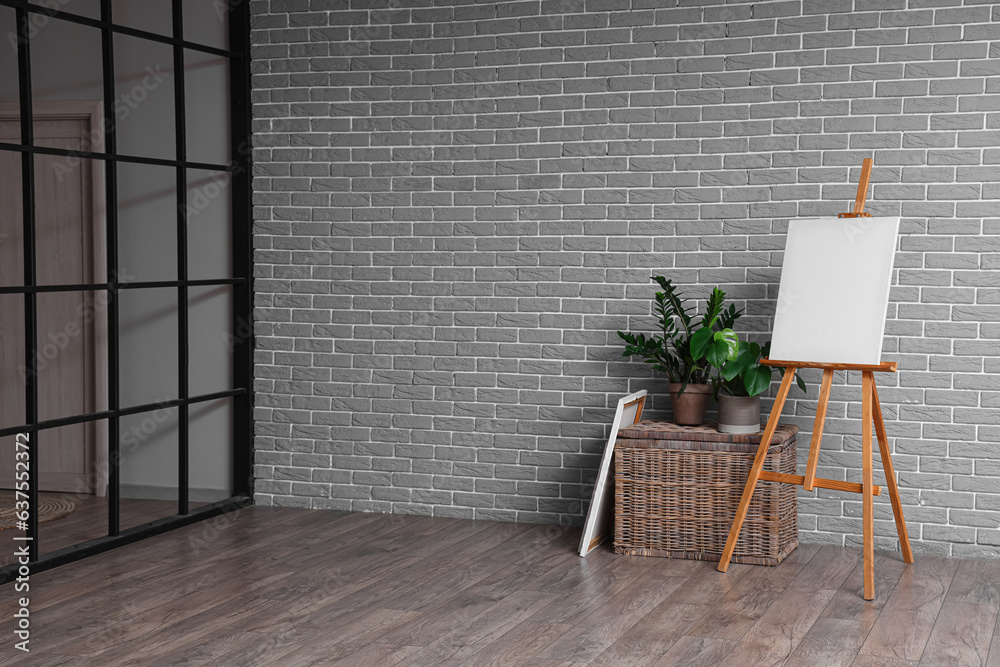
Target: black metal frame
(238, 55)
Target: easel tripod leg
(890, 479)
(868, 513)
(758, 464)
(817, 434)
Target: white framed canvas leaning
(598, 524)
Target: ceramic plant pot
(689, 407)
(739, 414)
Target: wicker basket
(677, 488)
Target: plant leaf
(675, 302)
(728, 317)
(701, 340)
(731, 369)
(713, 307)
(724, 347)
(756, 380)
(731, 340)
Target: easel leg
(890, 479)
(867, 390)
(758, 464)
(817, 434)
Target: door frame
(96, 464)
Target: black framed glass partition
(125, 270)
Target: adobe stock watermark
(202, 196)
(223, 7)
(856, 227)
(124, 104)
(241, 334)
(128, 101)
(210, 529)
(55, 342)
(130, 440)
(35, 21)
(217, 184)
(22, 510)
(787, 300)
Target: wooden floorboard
(88, 521)
(905, 623)
(282, 586)
(832, 642)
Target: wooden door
(69, 359)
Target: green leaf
(701, 340)
(728, 317)
(731, 369)
(724, 347)
(675, 302)
(666, 321)
(713, 307)
(756, 380)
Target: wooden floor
(272, 586)
(89, 521)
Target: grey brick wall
(458, 204)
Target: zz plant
(684, 349)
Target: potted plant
(683, 349)
(739, 382)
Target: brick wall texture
(457, 205)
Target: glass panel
(71, 354)
(210, 341)
(10, 114)
(73, 477)
(88, 8)
(148, 359)
(211, 452)
(207, 23)
(66, 65)
(209, 225)
(147, 222)
(206, 96)
(148, 464)
(11, 222)
(144, 97)
(149, 15)
(69, 210)
(14, 373)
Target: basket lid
(661, 430)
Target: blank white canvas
(834, 290)
(597, 527)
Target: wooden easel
(859, 200)
(870, 411)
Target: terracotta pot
(689, 407)
(739, 414)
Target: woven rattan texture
(679, 502)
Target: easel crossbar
(884, 367)
(833, 484)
